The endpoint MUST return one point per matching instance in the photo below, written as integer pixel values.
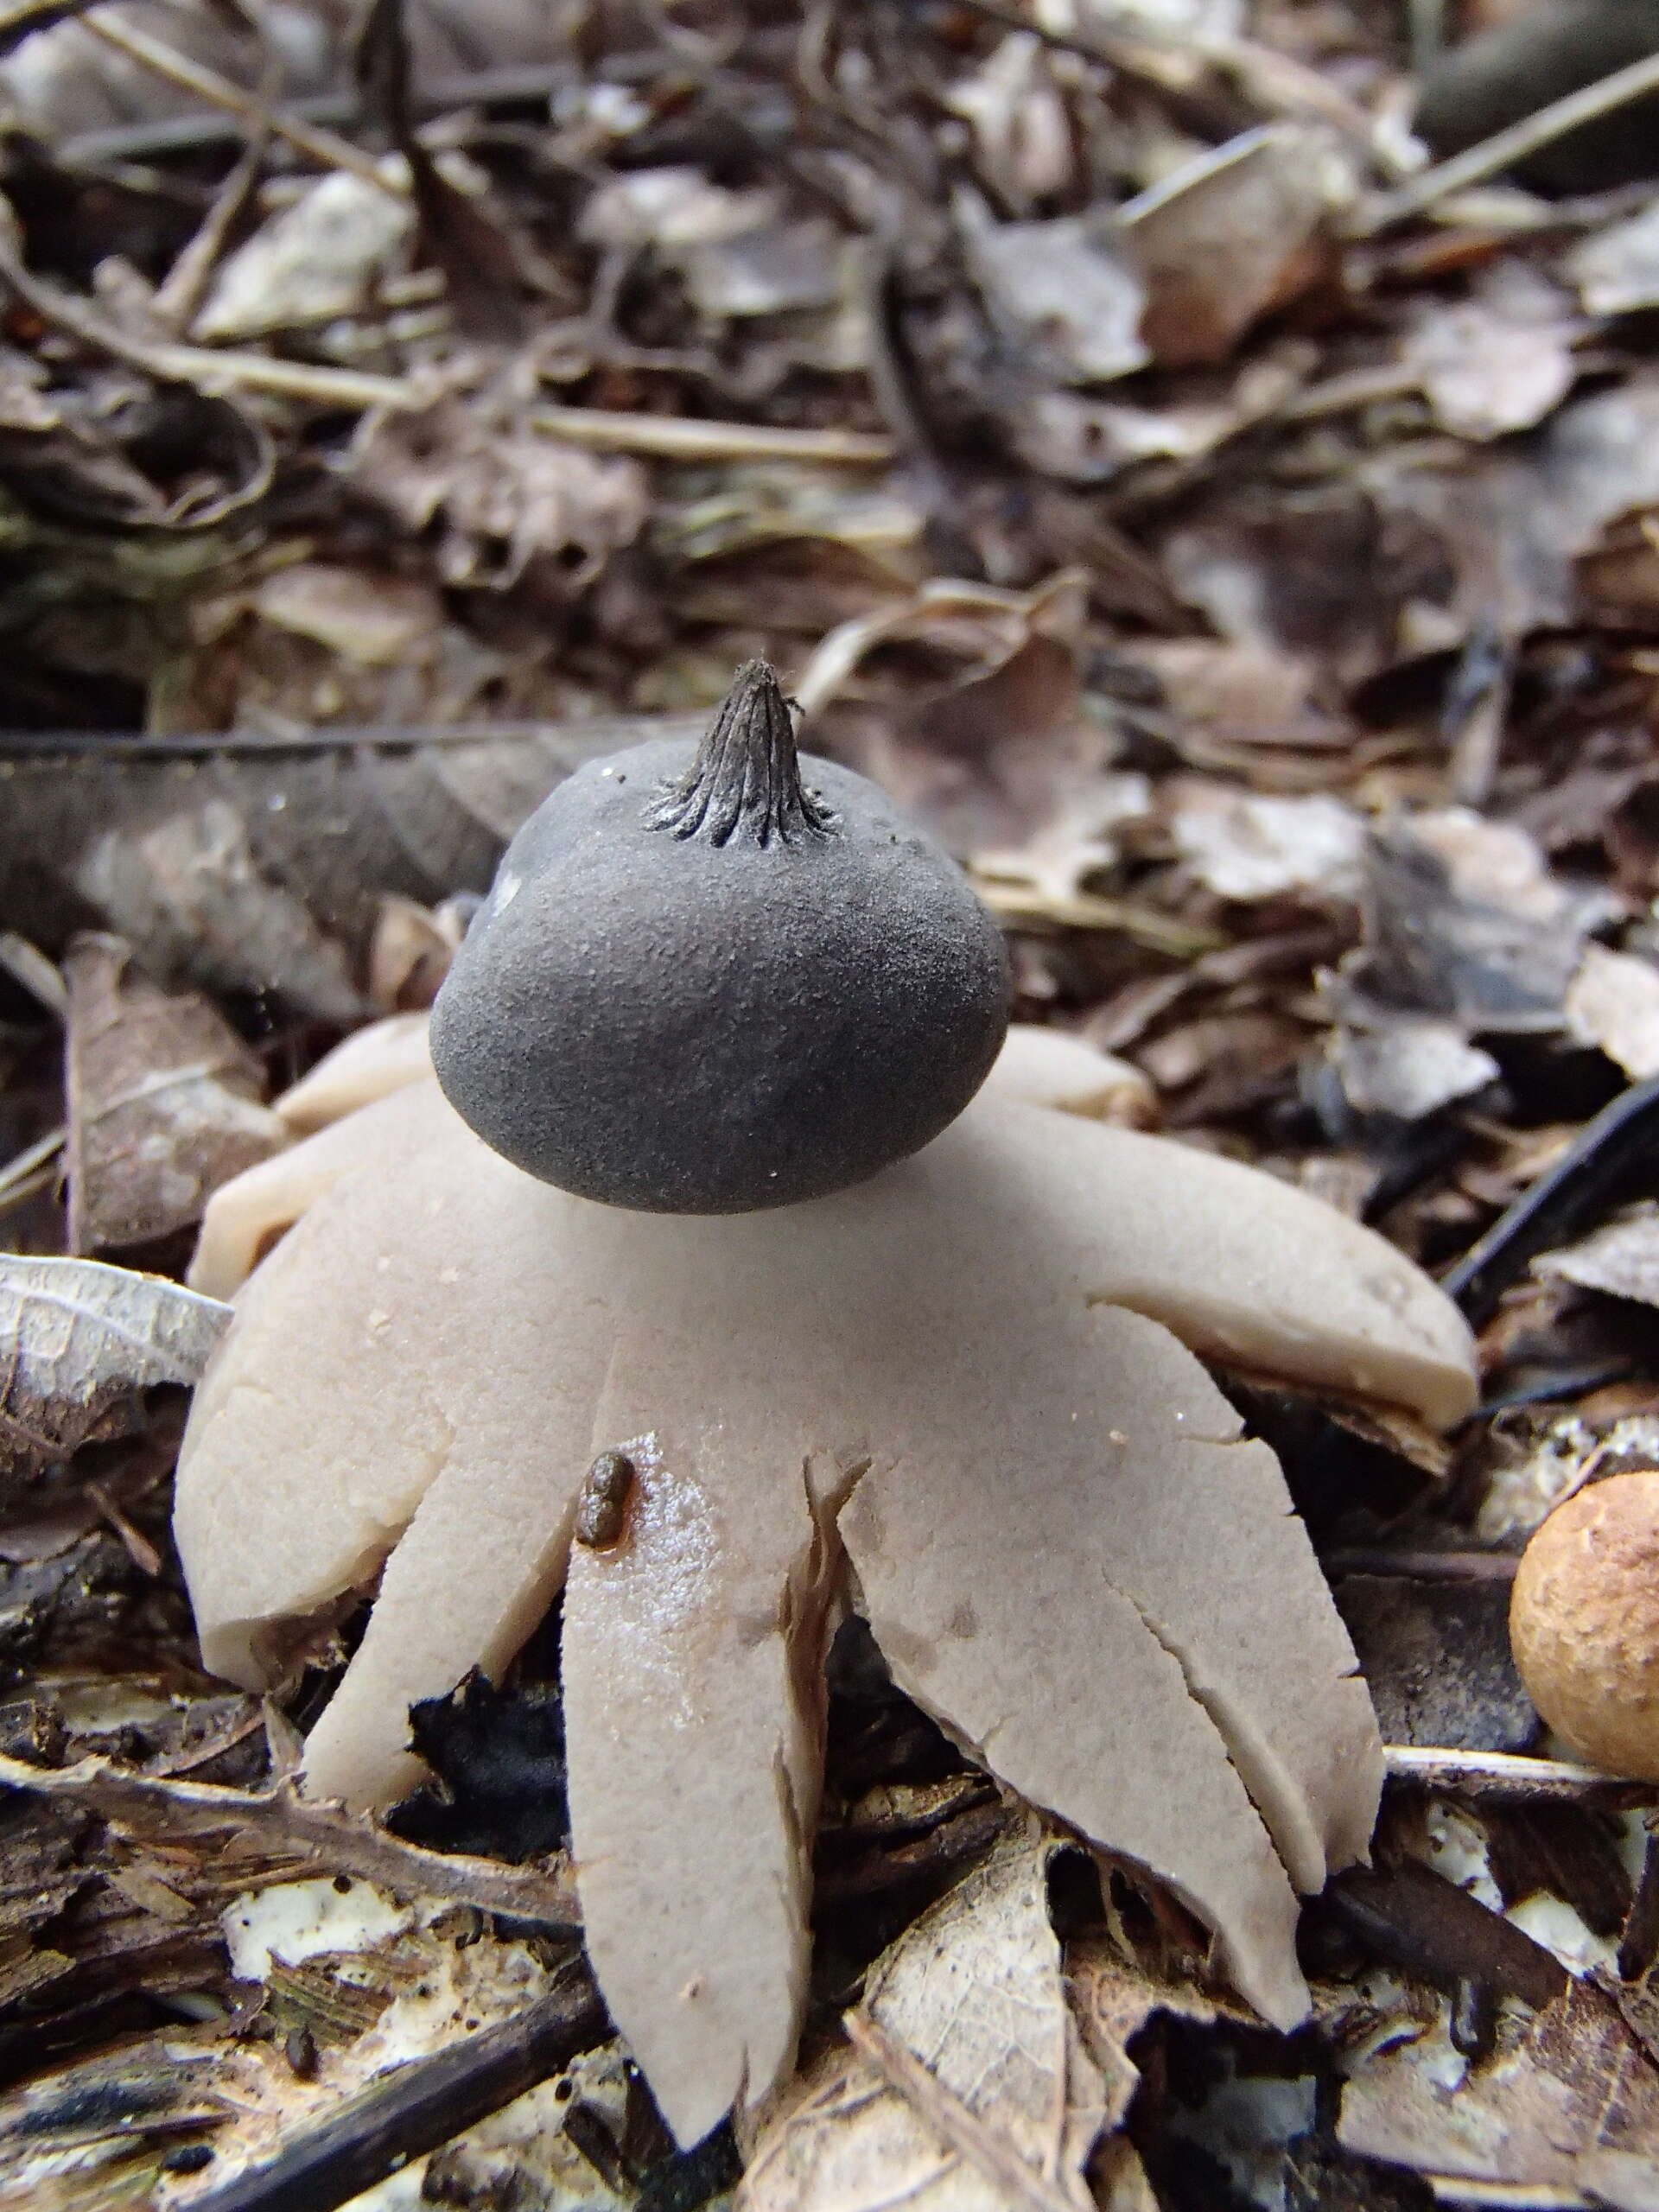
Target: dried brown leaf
(83, 1341)
(166, 1102)
(1230, 235)
(504, 494)
(1463, 919)
(1065, 293)
(968, 2087)
(1621, 1258)
(260, 867)
(1498, 362)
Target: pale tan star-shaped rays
(1064, 1549)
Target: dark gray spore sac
(706, 982)
(1511, 71)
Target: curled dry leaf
(1017, 114)
(1232, 234)
(1465, 919)
(1245, 845)
(373, 620)
(63, 81)
(82, 1341)
(504, 494)
(1064, 291)
(1570, 2102)
(1620, 1258)
(1498, 362)
(967, 2087)
(165, 1102)
(1616, 269)
(324, 256)
(1613, 1002)
(1407, 1066)
(443, 1346)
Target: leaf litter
(1239, 545)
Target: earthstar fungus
(961, 1391)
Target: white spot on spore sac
(507, 887)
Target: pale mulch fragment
(1613, 1002)
(968, 2087)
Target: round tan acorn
(1584, 1621)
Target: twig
(1504, 147)
(184, 134)
(1350, 388)
(1424, 1567)
(988, 2151)
(40, 977)
(278, 1821)
(1085, 910)
(209, 370)
(1274, 81)
(1560, 1203)
(1504, 1774)
(1508, 2196)
(205, 84)
(179, 294)
(677, 437)
(419, 2106)
(31, 1170)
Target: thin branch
(988, 2151)
(184, 134)
(1505, 1774)
(1505, 147)
(1425, 1566)
(678, 437)
(40, 977)
(210, 370)
(279, 1822)
(419, 2106)
(205, 84)
(32, 1170)
(1024, 907)
(181, 294)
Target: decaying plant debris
(1233, 541)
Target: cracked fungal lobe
(953, 1389)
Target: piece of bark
(166, 1103)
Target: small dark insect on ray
(602, 1507)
